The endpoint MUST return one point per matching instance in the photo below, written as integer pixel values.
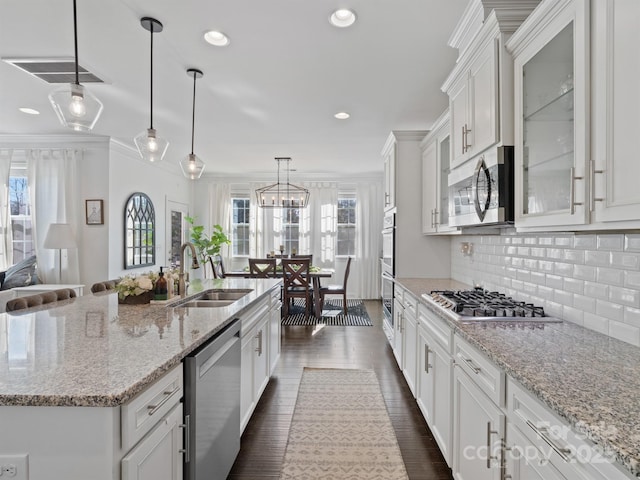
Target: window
(346, 242)
(139, 231)
(291, 230)
(240, 226)
(20, 218)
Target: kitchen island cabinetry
(254, 363)
(435, 176)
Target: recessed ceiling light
(342, 115)
(342, 18)
(30, 111)
(216, 38)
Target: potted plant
(207, 246)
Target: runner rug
(341, 429)
(332, 314)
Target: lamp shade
(76, 107)
(59, 235)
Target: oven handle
(481, 169)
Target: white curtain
(262, 238)
(366, 268)
(6, 234)
(318, 223)
(220, 213)
(53, 190)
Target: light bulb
(152, 145)
(192, 165)
(77, 107)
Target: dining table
(314, 275)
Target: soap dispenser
(161, 291)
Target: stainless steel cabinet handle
(592, 185)
(426, 358)
(467, 146)
(167, 395)
(469, 362)
(572, 191)
(542, 432)
(187, 434)
(259, 338)
(463, 141)
(489, 433)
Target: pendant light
(192, 167)
(75, 106)
(282, 195)
(150, 146)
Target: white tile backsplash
(589, 279)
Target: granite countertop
(589, 379)
(92, 351)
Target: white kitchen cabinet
(410, 340)
(478, 431)
(157, 456)
(545, 438)
(389, 156)
(615, 69)
(398, 324)
(435, 178)
(275, 329)
(435, 371)
(254, 361)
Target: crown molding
(53, 141)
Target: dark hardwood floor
(265, 438)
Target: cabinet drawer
(573, 455)
(438, 328)
(483, 371)
(252, 316)
(410, 304)
(142, 413)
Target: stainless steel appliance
(212, 407)
(481, 190)
(482, 305)
(388, 271)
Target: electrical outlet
(14, 467)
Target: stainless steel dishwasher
(212, 407)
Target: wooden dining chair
(295, 273)
(337, 289)
(262, 267)
(217, 266)
(298, 255)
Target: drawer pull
(542, 432)
(187, 433)
(167, 395)
(475, 369)
(259, 338)
(426, 358)
(489, 433)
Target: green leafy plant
(207, 245)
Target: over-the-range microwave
(481, 190)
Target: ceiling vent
(54, 70)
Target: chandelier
(282, 195)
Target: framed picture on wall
(94, 212)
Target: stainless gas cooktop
(479, 305)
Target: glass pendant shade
(192, 167)
(151, 147)
(76, 107)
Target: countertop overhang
(92, 351)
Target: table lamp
(59, 236)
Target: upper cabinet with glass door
(480, 87)
(550, 53)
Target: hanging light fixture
(76, 107)
(192, 167)
(283, 195)
(150, 146)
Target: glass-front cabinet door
(551, 116)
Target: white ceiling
(272, 92)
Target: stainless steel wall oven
(388, 271)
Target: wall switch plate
(14, 467)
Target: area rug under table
(341, 429)
(332, 314)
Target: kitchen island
(588, 380)
(66, 371)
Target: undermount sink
(219, 297)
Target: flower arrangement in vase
(138, 289)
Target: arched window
(139, 232)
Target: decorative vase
(143, 298)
